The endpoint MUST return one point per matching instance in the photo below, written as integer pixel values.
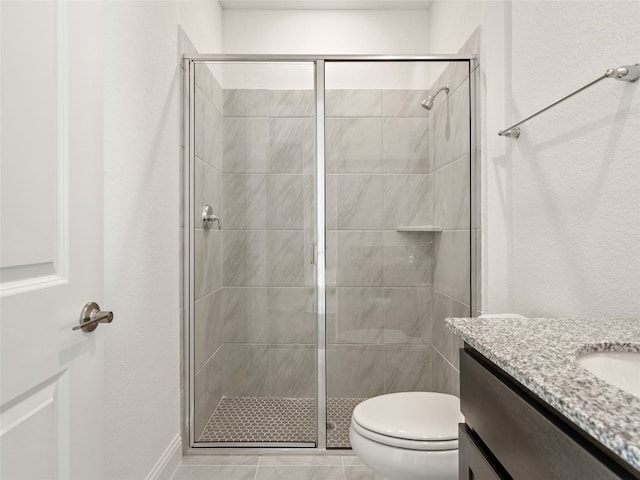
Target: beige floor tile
(299, 473)
(191, 472)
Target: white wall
(450, 25)
(328, 32)
(202, 20)
(142, 119)
(575, 219)
(561, 204)
(325, 31)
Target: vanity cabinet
(474, 458)
(510, 433)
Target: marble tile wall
(378, 178)
(453, 162)
(378, 279)
(268, 320)
(209, 292)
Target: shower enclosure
(328, 233)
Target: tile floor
(284, 420)
(262, 419)
(272, 467)
(339, 412)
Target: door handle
(91, 316)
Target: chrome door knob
(91, 316)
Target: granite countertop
(540, 354)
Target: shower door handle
(91, 316)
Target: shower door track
(187, 371)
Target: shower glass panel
(398, 223)
(329, 234)
(254, 327)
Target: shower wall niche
(396, 220)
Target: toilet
(408, 435)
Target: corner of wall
(168, 462)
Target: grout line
(208, 359)
(445, 358)
(449, 163)
(379, 174)
(218, 465)
(257, 467)
(450, 297)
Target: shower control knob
(208, 217)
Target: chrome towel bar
(628, 73)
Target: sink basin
(621, 369)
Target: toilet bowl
(408, 435)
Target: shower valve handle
(208, 217)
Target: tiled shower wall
(209, 292)
(254, 280)
(378, 279)
(268, 316)
(452, 168)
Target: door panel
(51, 260)
(31, 105)
(37, 422)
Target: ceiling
(327, 4)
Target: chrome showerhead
(428, 102)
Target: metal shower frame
(188, 320)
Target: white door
(51, 260)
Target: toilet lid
(426, 416)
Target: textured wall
(141, 268)
(142, 147)
(560, 205)
(574, 216)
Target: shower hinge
(314, 254)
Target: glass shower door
(398, 229)
(368, 168)
(254, 322)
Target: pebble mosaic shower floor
(278, 420)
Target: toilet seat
(424, 445)
(410, 420)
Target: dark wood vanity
(511, 434)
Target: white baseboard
(168, 463)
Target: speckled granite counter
(540, 353)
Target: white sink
(621, 369)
